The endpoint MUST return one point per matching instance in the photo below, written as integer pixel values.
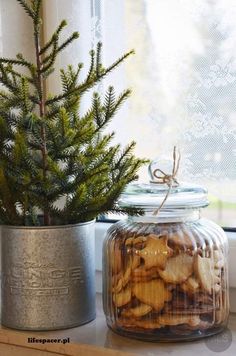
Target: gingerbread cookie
(166, 319)
(191, 285)
(178, 269)
(153, 293)
(206, 273)
(122, 298)
(116, 260)
(141, 324)
(182, 240)
(137, 312)
(156, 252)
(141, 274)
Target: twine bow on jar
(168, 179)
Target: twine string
(168, 179)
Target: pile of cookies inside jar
(167, 281)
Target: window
(183, 77)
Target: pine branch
(56, 34)
(91, 69)
(126, 153)
(116, 63)
(80, 89)
(109, 100)
(130, 211)
(26, 102)
(5, 80)
(8, 199)
(110, 107)
(27, 8)
(73, 37)
(14, 75)
(121, 99)
(10, 117)
(97, 110)
(4, 94)
(51, 58)
(15, 61)
(37, 6)
(98, 60)
(53, 52)
(69, 78)
(48, 72)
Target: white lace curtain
(184, 88)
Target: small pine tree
(47, 149)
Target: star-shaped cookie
(156, 252)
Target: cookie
(148, 324)
(122, 298)
(129, 241)
(142, 279)
(219, 259)
(117, 288)
(182, 239)
(221, 315)
(141, 324)
(126, 276)
(186, 329)
(142, 272)
(217, 287)
(203, 325)
(222, 309)
(207, 276)
(187, 310)
(156, 252)
(132, 241)
(115, 278)
(166, 319)
(116, 258)
(137, 312)
(135, 262)
(153, 293)
(178, 269)
(191, 285)
(123, 280)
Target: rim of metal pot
(55, 227)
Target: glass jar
(165, 275)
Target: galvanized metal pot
(48, 276)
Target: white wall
(77, 13)
(15, 31)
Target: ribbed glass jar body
(166, 279)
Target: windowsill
(96, 339)
(100, 232)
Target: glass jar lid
(150, 196)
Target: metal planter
(48, 276)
